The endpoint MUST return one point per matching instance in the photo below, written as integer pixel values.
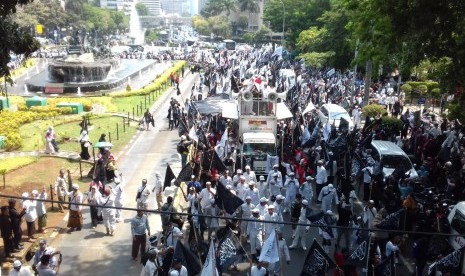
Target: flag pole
(368, 252)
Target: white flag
(209, 267)
(270, 253)
(193, 134)
(327, 131)
(221, 147)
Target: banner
(193, 135)
(184, 175)
(392, 221)
(169, 176)
(229, 251)
(452, 263)
(359, 257)
(386, 267)
(319, 220)
(188, 259)
(317, 262)
(227, 200)
(209, 267)
(270, 251)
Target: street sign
(421, 100)
(39, 29)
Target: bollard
(109, 136)
(124, 126)
(141, 106)
(51, 196)
(117, 132)
(128, 118)
(145, 101)
(133, 112)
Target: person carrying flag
(301, 231)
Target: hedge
(373, 110)
(154, 86)
(426, 87)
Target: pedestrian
(392, 247)
(301, 230)
(158, 190)
(45, 268)
(262, 187)
(16, 219)
(93, 199)
(274, 269)
(249, 175)
(275, 185)
(257, 269)
(245, 211)
(75, 210)
(152, 264)
(178, 269)
(344, 210)
(44, 249)
(61, 189)
(367, 173)
(119, 194)
(139, 229)
(296, 207)
(270, 227)
(369, 214)
(306, 189)
(212, 222)
(170, 117)
(292, 189)
(255, 233)
(182, 71)
(320, 178)
(41, 210)
(327, 197)
(85, 145)
(19, 270)
(6, 231)
(30, 209)
(327, 234)
(172, 235)
(49, 149)
(253, 193)
(206, 195)
(183, 149)
(142, 196)
(169, 213)
(107, 203)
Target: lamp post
(284, 22)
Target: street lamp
(284, 22)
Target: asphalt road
(90, 251)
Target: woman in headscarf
(85, 144)
(49, 149)
(94, 199)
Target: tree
(250, 6)
(219, 26)
(14, 39)
(216, 7)
(201, 25)
(151, 36)
(142, 9)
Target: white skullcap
(304, 202)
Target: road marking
(134, 144)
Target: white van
(334, 113)
(392, 158)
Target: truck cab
(456, 219)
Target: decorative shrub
(392, 124)
(373, 110)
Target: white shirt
(369, 216)
(321, 176)
(150, 268)
(254, 195)
(158, 185)
(250, 176)
(390, 248)
(205, 197)
(255, 271)
(182, 272)
(144, 196)
(24, 271)
(173, 236)
(31, 211)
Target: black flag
(227, 200)
(217, 163)
(386, 267)
(184, 175)
(359, 257)
(392, 221)
(320, 220)
(317, 261)
(229, 251)
(169, 176)
(452, 263)
(188, 259)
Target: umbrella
(103, 145)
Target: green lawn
(13, 163)
(33, 133)
(126, 104)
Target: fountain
(140, 74)
(83, 69)
(129, 80)
(135, 30)
(79, 91)
(26, 90)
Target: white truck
(257, 120)
(456, 220)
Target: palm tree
(250, 6)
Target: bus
(229, 44)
